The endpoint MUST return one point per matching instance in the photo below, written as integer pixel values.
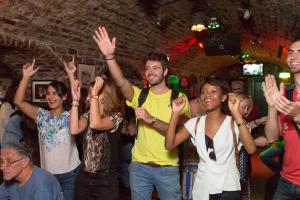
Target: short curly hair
(160, 57)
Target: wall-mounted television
(253, 69)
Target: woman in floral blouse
(58, 151)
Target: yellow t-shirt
(149, 144)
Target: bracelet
(244, 122)
(76, 100)
(111, 58)
(94, 96)
(75, 104)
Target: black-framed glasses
(210, 146)
(9, 163)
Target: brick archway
(32, 46)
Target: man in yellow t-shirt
(151, 163)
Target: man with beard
(151, 163)
(284, 117)
(23, 180)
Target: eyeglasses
(9, 163)
(210, 145)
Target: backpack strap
(141, 100)
(236, 150)
(144, 93)
(174, 95)
(289, 94)
(143, 96)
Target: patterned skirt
(245, 174)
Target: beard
(157, 82)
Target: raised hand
(178, 104)
(106, 46)
(76, 90)
(233, 103)
(287, 107)
(28, 69)
(275, 98)
(99, 82)
(271, 91)
(70, 67)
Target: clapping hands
(276, 99)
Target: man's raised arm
(107, 47)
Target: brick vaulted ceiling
(52, 31)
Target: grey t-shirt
(41, 185)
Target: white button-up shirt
(214, 176)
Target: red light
(201, 45)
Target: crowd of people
(216, 122)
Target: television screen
(253, 69)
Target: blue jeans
(67, 183)
(124, 165)
(286, 190)
(143, 178)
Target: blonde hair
(243, 96)
(111, 99)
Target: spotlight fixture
(244, 58)
(198, 22)
(214, 24)
(198, 27)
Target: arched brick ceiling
(61, 28)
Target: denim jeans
(67, 183)
(286, 190)
(143, 178)
(124, 165)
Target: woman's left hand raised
(99, 82)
